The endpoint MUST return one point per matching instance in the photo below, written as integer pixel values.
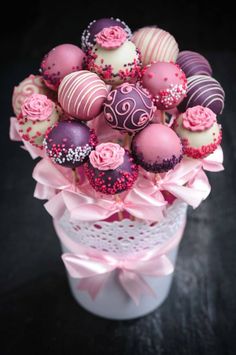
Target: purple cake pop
(193, 63)
(69, 143)
(88, 36)
(204, 91)
(129, 108)
(111, 169)
(157, 148)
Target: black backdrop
(37, 312)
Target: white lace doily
(126, 236)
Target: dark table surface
(37, 312)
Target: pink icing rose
(198, 118)
(107, 156)
(37, 107)
(111, 37)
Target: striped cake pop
(193, 63)
(81, 94)
(155, 44)
(204, 91)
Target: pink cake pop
(59, 62)
(167, 84)
(157, 148)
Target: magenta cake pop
(193, 63)
(38, 113)
(167, 84)
(114, 58)
(128, 108)
(157, 148)
(59, 62)
(199, 131)
(155, 45)
(33, 84)
(204, 91)
(89, 35)
(69, 143)
(82, 94)
(111, 169)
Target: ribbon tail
(56, 206)
(134, 285)
(93, 284)
(43, 192)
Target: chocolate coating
(204, 91)
(115, 181)
(128, 108)
(69, 143)
(193, 63)
(88, 36)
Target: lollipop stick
(127, 141)
(75, 176)
(163, 117)
(157, 177)
(120, 213)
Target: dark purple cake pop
(111, 169)
(157, 148)
(88, 36)
(193, 63)
(203, 91)
(69, 143)
(129, 108)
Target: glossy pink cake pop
(157, 148)
(82, 94)
(59, 62)
(167, 84)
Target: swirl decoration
(128, 108)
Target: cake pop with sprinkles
(193, 63)
(114, 58)
(82, 94)
(60, 61)
(167, 84)
(69, 143)
(204, 91)
(155, 45)
(89, 34)
(157, 148)
(199, 131)
(38, 113)
(128, 108)
(111, 169)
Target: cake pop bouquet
(125, 127)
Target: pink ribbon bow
(94, 269)
(14, 136)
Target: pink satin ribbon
(94, 267)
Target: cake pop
(157, 148)
(33, 84)
(199, 131)
(167, 84)
(114, 58)
(204, 91)
(81, 94)
(128, 108)
(96, 26)
(193, 63)
(59, 62)
(69, 143)
(111, 169)
(155, 45)
(38, 113)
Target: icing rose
(107, 156)
(111, 37)
(198, 118)
(37, 107)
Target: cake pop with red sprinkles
(69, 143)
(111, 169)
(167, 84)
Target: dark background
(37, 312)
